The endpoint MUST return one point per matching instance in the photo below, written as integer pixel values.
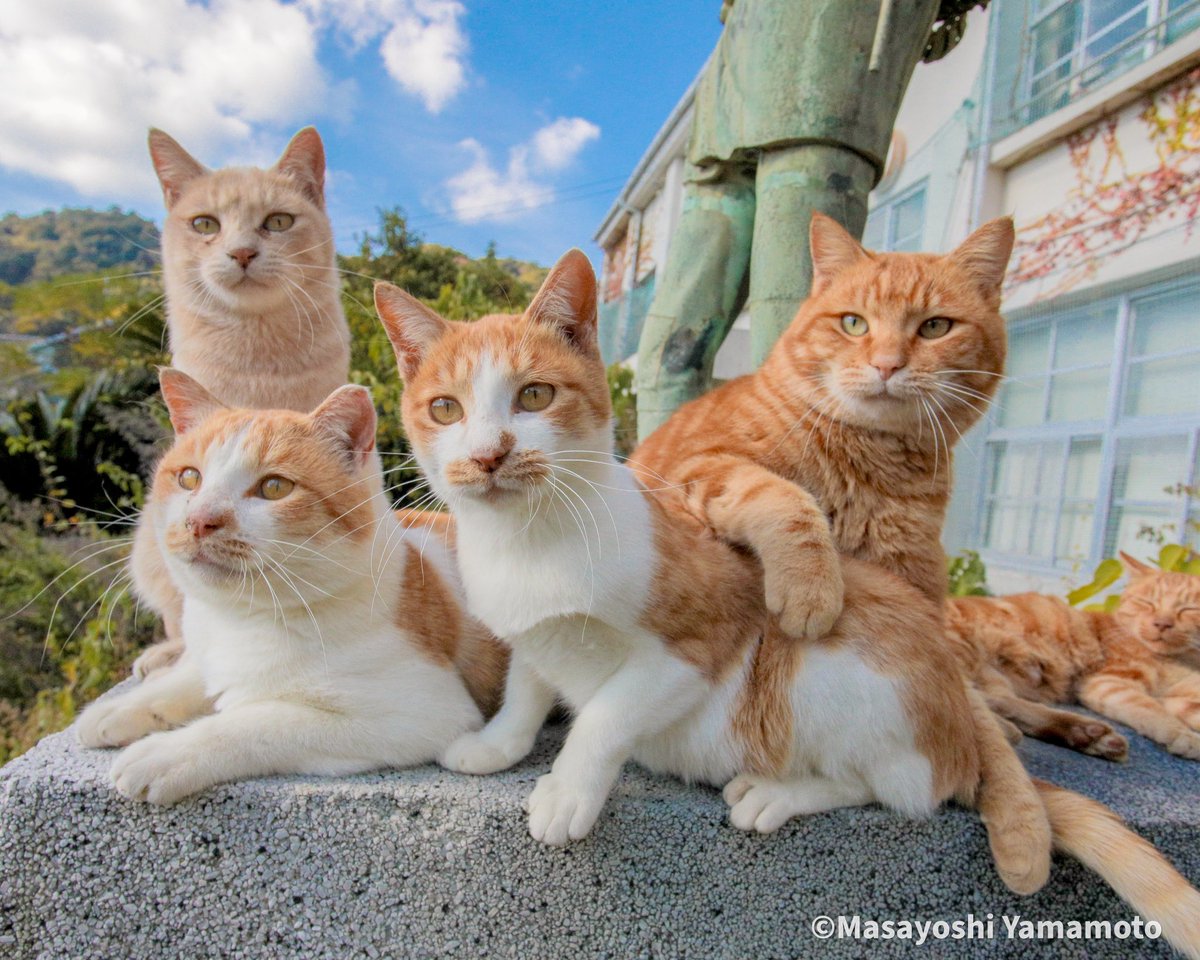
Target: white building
(1081, 118)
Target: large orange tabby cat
(1136, 665)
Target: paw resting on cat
(479, 754)
(115, 722)
(562, 808)
(1186, 744)
(805, 591)
(157, 657)
(159, 770)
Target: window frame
(888, 211)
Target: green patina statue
(793, 113)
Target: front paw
(158, 770)
(116, 721)
(158, 656)
(478, 753)
(806, 592)
(561, 810)
(758, 804)
(1186, 745)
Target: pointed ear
(567, 301)
(1135, 568)
(174, 165)
(188, 403)
(833, 249)
(411, 326)
(304, 161)
(984, 255)
(348, 415)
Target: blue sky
(508, 121)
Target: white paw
(758, 804)
(1186, 745)
(157, 657)
(561, 810)
(158, 770)
(477, 753)
(116, 721)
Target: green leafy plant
(967, 575)
(1173, 558)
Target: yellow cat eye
(206, 225)
(854, 325)
(275, 488)
(935, 327)
(189, 478)
(446, 410)
(278, 222)
(535, 397)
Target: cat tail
(1141, 876)
(1009, 805)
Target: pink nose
(1162, 624)
(202, 525)
(490, 460)
(243, 255)
(887, 368)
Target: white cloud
(482, 192)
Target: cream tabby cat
(327, 638)
(617, 600)
(253, 302)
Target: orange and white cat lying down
(326, 638)
(617, 600)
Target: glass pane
(1147, 466)
(1007, 529)
(908, 223)
(1082, 395)
(1075, 531)
(1163, 386)
(1111, 24)
(1021, 402)
(1132, 529)
(1015, 470)
(1043, 532)
(1054, 37)
(873, 238)
(1083, 469)
(1028, 351)
(1180, 23)
(1192, 537)
(1086, 337)
(1166, 323)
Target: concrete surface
(424, 863)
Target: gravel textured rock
(424, 863)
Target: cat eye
(854, 325)
(935, 327)
(446, 410)
(278, 222)
(275, 488)
(206, 225)
(535, 397)
(189, 478)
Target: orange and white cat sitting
(617, 600)
(1136, 665)
(253, 302)
(325, 639)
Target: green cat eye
(189, 478)
(854, 325)
(275, 488)
(535, 397)
(206, 225)
(446, 410)
(278, 222)
(935, 327)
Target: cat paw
(478, 754)
(157, 657)
(115, 722)
(1186, 745)
(560, 810)
(1099, 740)
(758, 804)
(158, 770)
(806, 596)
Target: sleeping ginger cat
(616, 600)
(1136, 666)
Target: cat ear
(567, 301)
(1135, 568)
(411, 326)
(984, 255)
(833, 249)
(304, 161)
(174, 165)
(348, 415)
(188, 403)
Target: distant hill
(65, 242)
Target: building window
(898, 224)
(1093, 440)
(1075, 45)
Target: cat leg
(255, 740)
(650, 692)
(782, 523)
(509, 735)
(1185, 708)
(162, 701)
(765, 805)
(1128, 702)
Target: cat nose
(243, 255)
(887, 368)
(205, 523)
(490, 460)
(1163, 624)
